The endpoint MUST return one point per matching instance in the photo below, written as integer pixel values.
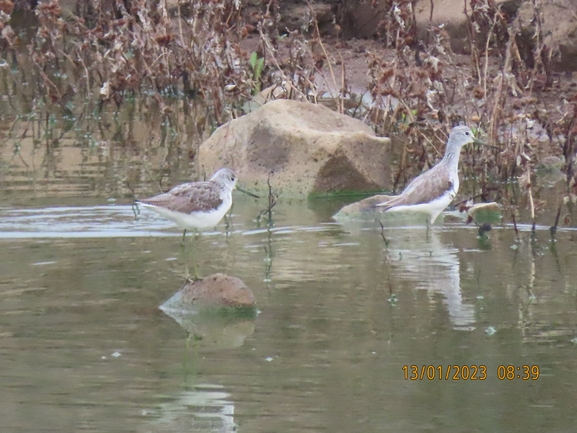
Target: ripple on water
(83, 222)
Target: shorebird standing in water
(431, 192)
(196, 205)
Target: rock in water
(214, 291)
(219, 310)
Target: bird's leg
(183, 250)
(193, 256)
(185, 257)
(429, 224)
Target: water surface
(85, 347)
(345, 311)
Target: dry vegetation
(107, 52)
(503, 92)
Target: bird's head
(225, 177)
(461, 135)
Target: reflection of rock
(224, 329)
(307, 148)
(206, 409)
(218, 309)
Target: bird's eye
(467, 133)
(232, 178)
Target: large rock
(303, 147)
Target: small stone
(217, 290)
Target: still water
(84, 346)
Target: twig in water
(135, 210)
(131, 189)
(272, 198)
(553, 229)
(479, 280)
(383, 233)
(531, 295)
(392, 296)
(272, 201)
(532, 208)
(514, 223)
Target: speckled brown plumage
(189, 197)
(196, 205)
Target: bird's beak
(246, 192)
(483, 143)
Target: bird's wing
(429, 186)
(188, 198)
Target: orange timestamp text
(469, 372)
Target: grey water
(342, 319)
(358, 329)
